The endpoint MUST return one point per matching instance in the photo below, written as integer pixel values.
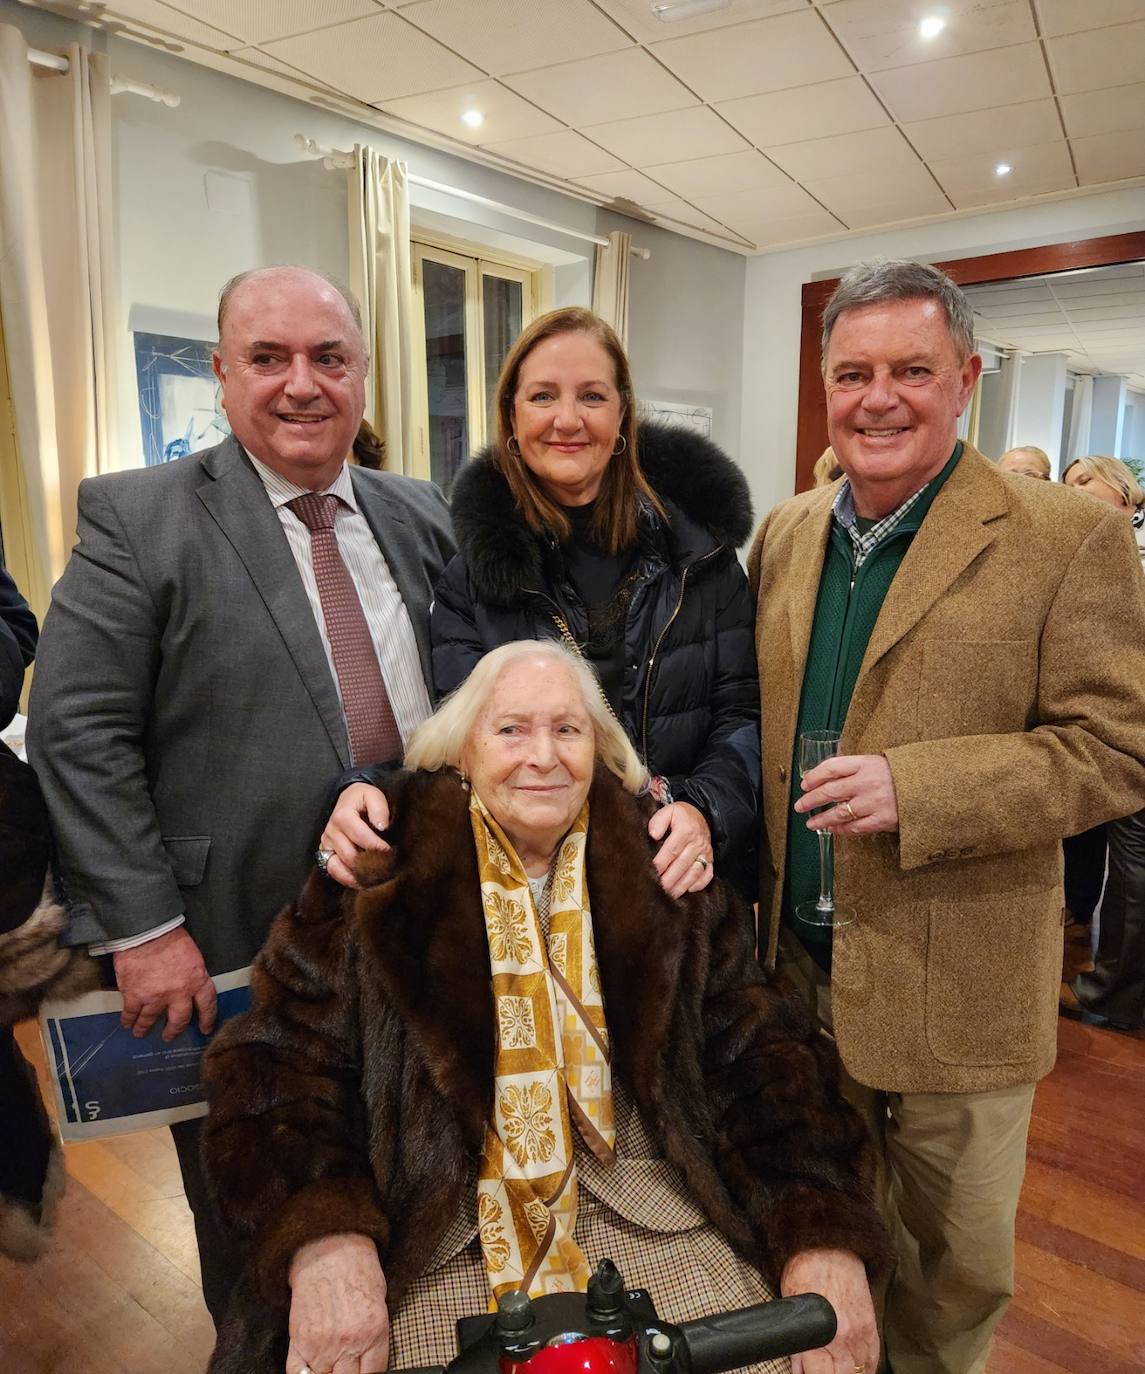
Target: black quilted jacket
(691, 699)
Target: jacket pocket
(188, 857)
(992, 965)
(976, 687)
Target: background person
(826, 469)
(1113, 993)
(353, 1136)
(1027, 461)
(211, 661)
(935, 611)
(1112, 482)
(32, 965)
(579, 524)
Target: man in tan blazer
(979, 641)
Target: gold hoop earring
(616, 452)
(512, 445)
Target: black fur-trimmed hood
(705, 492)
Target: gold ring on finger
(699, 859)
(846, 806)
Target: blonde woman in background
(1112, 482)
(1028, 461)
(826, 469)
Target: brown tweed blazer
(1005, 683)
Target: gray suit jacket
(184, 721)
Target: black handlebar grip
(751, 1334)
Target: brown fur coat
(354, 1094)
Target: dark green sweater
(845, 613)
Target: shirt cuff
(134, 941)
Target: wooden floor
(119, 1292)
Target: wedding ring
(321, 857)
(846, 806)
(306, 1368)
(699, 859)
(859, 1369)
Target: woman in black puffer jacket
(576, 524)
(659, 605)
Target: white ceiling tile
(1111, 111)
(884, 33)
(844, 195)
(173, 22)
(791, 228)
(257, 58)
(768, 55)
(507, 115)
(956, 84)
(565, 154)
(760, 203)
(1104, 313)
(672, 136)
(628, 185)
(1098, 59)
(680, 212)
(516, 35)
(619, 85)
(1036, 170)
(636, 17)
(1109, 157)
(1071, 16)
(818, 111)
(256, 21)
(375, 60)
(1002, 195)
(896, 211)
(874, 150)
(717, 176)
(984, 131)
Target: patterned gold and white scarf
(552, 1064)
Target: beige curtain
(610, 282)
(55, 298)
(380, 278)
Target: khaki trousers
(950, 1172)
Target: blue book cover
(107, 1081)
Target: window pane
(503, 308)
(443, 288)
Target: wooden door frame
(811, 437)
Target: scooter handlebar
(729, 1340)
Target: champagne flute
(825, 911)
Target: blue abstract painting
(180, 408)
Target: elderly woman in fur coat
(580, 524)
(510, 1053)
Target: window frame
(476, 262)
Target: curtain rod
(334, 157)
(120, 85)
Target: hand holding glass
(814, 747)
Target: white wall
(774, 283)
(1041, 405)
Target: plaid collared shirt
(863, 545)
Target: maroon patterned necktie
(370, 722)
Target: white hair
(439, 741)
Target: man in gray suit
(198, 690)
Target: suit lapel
(808, 550)
(955, 531)
(399, 547)
(238, 503)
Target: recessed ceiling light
(474, 118)
(931, 26)
(1003, 169)
(672, 11)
